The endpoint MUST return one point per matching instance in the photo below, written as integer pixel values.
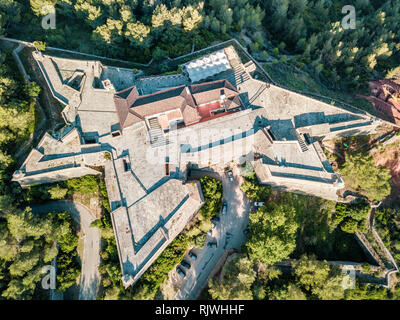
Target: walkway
(90, 276)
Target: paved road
(228, 234)
(90, 277)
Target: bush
(57, 192)
(107, 156)
(104, 196)
(68, 270)
(200, 240)
(253, 190)
(360, 172)
(350, 217)
(366, 267)
(212, 192)
(40, 45)
(106, 282)
(85, 185)
(104, 255)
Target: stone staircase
(302, 143)
(240, 74)
(157, 137)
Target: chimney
(222, 96)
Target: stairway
(157, 137)
(302, 143)
(240, 74)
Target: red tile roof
(211, 91)
(132, 108)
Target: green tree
(89, 12)
(159, 54)
(24, 262)
(235, 281)
(367, 292)
(8, 245)
(33, 89)
(138, 34)
(191, 18)
(39, 7)
(361, 173)
(289, 292)
(272, 235)
(10, 15)
(255, 191)
(319, 278)
(50, 252)
(15, 290)
(351, 217)
(57, 192)
(23, 224)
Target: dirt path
(90, 276)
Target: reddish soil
(389, 157)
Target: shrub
(350, 217)
(40, 45)
(360, 173)
(253, 190)
(57, 192)
(85, 185)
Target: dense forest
(17, 116)
(306, 33)
(27, 243)
(313, 30)
(136, 30)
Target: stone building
(146, 131)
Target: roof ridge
(161, 91)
